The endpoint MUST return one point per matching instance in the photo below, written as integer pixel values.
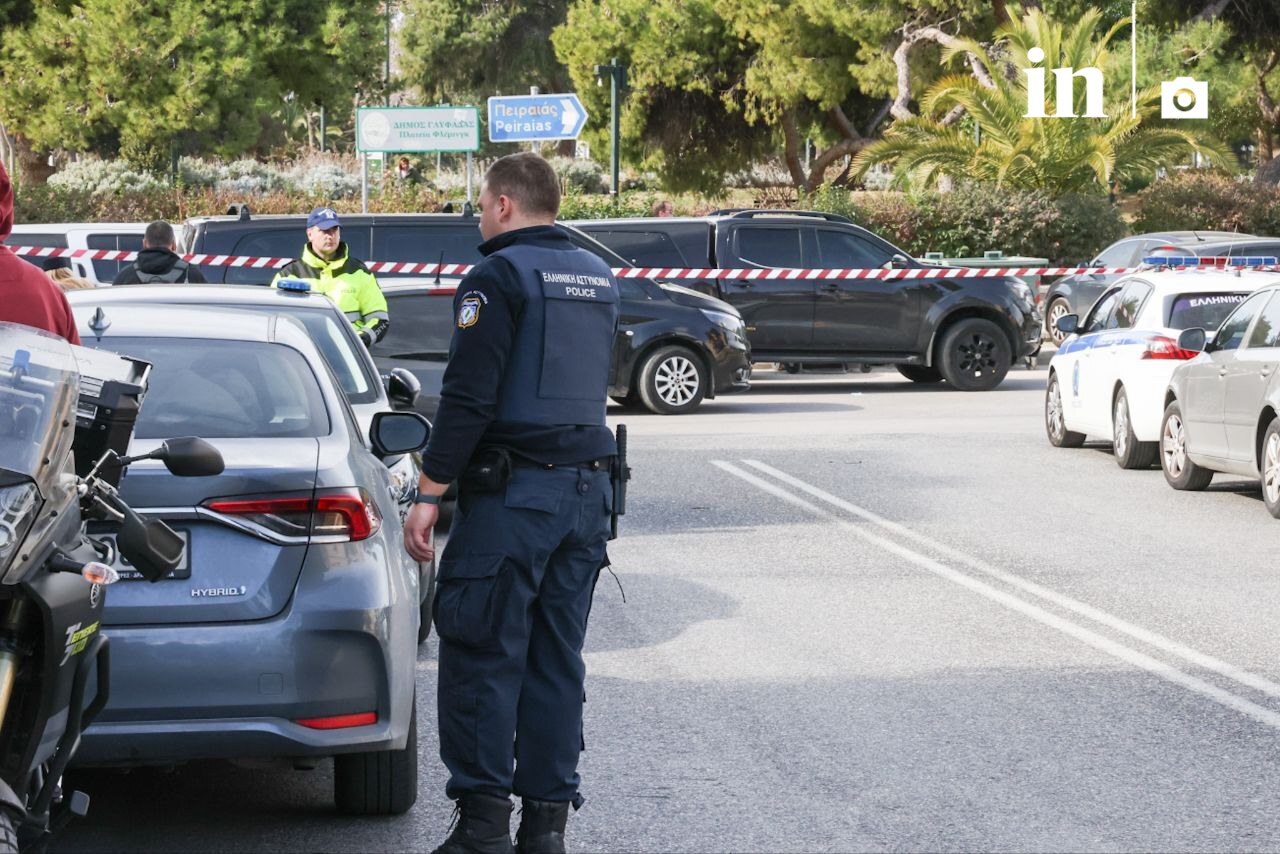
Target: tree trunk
(33, 166)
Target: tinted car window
(1207, 311)
(57, 241)
(106, 271)
(1267, 331)
(1117, 254)
(338, 350)
(1231, 335)
(1128, 304)
(841, 249)
(643, 248)
(455, 244)
(225, 390)
(769, 247)
(281, 243)
(1100, 314)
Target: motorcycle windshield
(39, 389)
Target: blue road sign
(528, 118)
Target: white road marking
(1172, 647)
(1035, 612)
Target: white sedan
(1109, 377)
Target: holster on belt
(488, 471)
(619, 474)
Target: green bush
(973, 218)
(1210, 201)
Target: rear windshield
(225, 390)
(1206, 311)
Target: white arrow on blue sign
(528, 118)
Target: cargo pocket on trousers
(459, 726)
(469, 600)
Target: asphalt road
(867, 615)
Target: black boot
(483, 826)
(542, 826)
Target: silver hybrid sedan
(290, 629)
(333, 335)
(1222, 411)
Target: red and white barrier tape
(677, 273)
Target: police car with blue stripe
(1109, 376)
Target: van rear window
(1206, 311)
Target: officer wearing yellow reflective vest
(327, 266)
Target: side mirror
(190, 457)
(1193, 339)
(1068, 324)
(899, 262)
(150, 545)
(395, 433)
(403, 388)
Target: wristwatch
(424, 498)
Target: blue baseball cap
(322, 218)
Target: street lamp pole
(617, 84)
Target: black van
(675, 347)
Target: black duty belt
(601, 464)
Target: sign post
(535, 118)
(403, 130)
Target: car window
(225, 389)
(1206, 311)
(1128, 304)
(643, 248)
(841, 249)
(1101, 312)
(282, 243)
(338, 349)
(769, 247)
(1231, 333)
(421, 325)
(1117, 254)
(57, 241)
(106, 271)
(1266, 332)
(452, 244)
(1268, 249)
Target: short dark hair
(158, 234)
(528, 179)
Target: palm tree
(1061, 155)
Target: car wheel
(427, 582)
(1271, 468)
(1059, 308)
(1178, 468)
(1055, 423)
(920, 373)
(974, 355)
(672, 381)
(384, 782)
(1129, 452)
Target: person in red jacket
(26, 294)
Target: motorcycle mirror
(150, 545)
(398, 433)
(189, 456)
(403, 388)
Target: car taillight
(1163, 347)
(330, 515)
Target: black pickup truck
(965, 331)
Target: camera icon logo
(1184, 98)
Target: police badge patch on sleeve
(469, 312)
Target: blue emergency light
(297, 286)
(1210, 261)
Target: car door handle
(1222, 372)
(1264, 372)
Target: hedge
(1209, 201)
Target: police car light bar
(294, 285)
(1210, 261)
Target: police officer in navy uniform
(521, 426)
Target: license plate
(126, 569)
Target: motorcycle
(53, 575)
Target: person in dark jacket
(26, 294)
(158, 262)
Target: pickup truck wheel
(920, 373)
(672, 381)
(974, 355)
